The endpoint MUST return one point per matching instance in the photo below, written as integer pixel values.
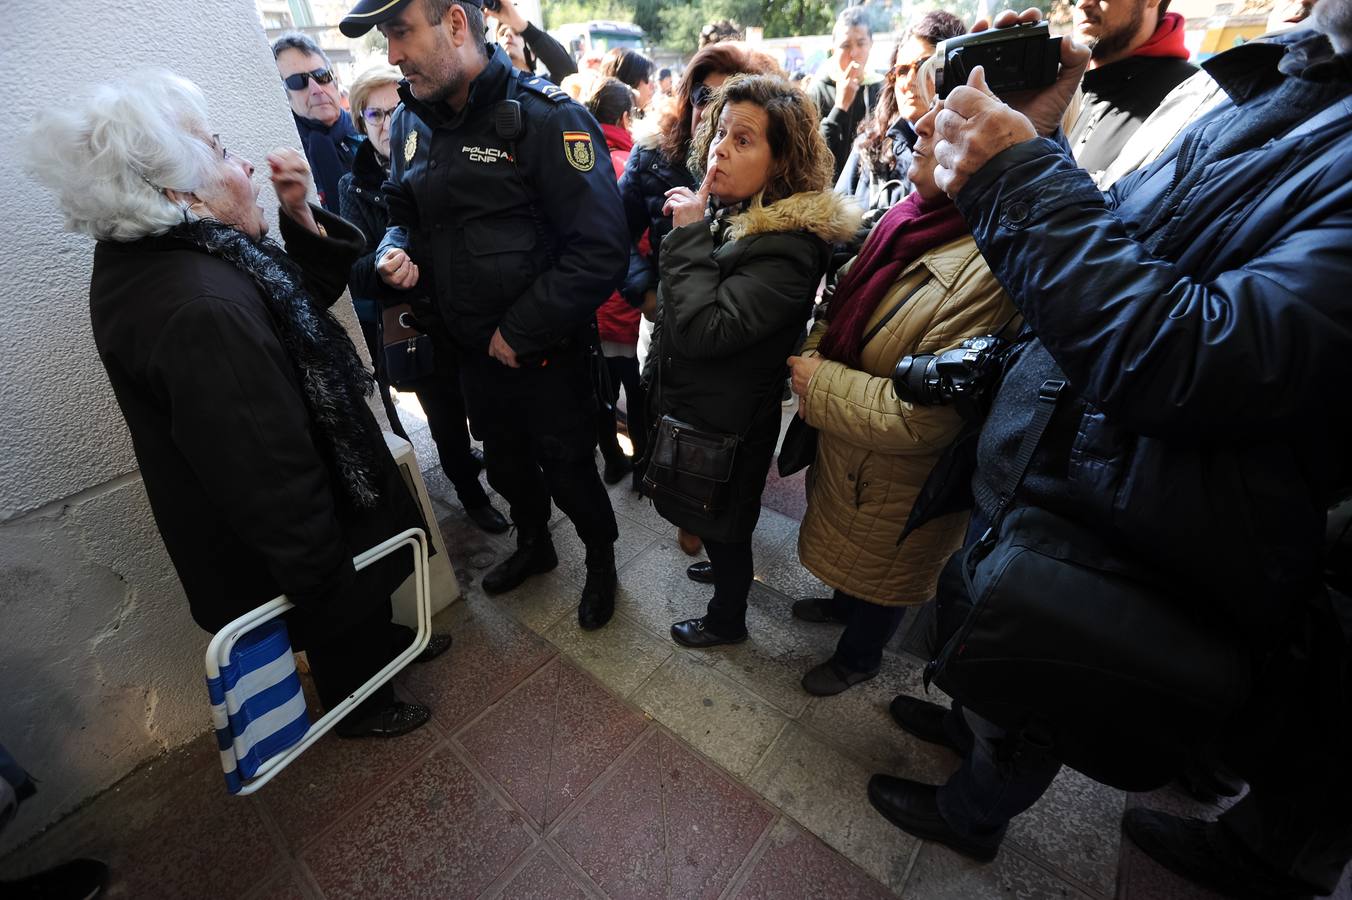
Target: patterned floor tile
(548, 740)
(543, 878)
(827, 793)
(1076, 827)
(169, 831)
(941, 874)
(717, 716)
(289, 884)
(438, 832)
(333, 777)
(796, 864)
(665, 824)
(621, 656)
(491, 654)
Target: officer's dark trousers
(342, 659)
(538, 426)
(442, 403)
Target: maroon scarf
(905, 232)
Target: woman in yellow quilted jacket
(919, 285)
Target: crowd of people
(1100, 322)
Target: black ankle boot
(598, 594)
(534, 554)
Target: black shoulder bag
(691, 466)
(1065, 640)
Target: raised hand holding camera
(974, 125)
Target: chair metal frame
(218, 651)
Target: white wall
(100, 663)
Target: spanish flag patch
(577, 148)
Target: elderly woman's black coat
(228, 451)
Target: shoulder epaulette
(545, 88)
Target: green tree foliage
(676, 23)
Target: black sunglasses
(300, 80)
(701, 95)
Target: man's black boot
(598, 594)
(534, 554)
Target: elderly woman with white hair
(265, 469)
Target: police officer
(503, 207)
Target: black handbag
(1052, 633)
(407, 351)
(689, 465)
(799, 449)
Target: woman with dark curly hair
(658, 164)
(739, 271)
(875, 172)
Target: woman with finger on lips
(246, 401)
(739, 272)
(655, 166)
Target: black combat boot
(534, 554)
(598, 594)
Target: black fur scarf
(334, 381)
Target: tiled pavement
(564, 764)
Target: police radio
(507, 121)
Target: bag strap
(1048, 397)
(1325, 116)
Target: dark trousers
(868, 628)
(623, 371)
(1001, 776)
(343, 660)
(538, 429)
(734, 571)
(444, 406)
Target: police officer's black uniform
(514, 219)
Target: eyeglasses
(902, 69)
(218, 146)
(374, 115)
(300, 80)
(701, 95)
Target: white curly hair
(110, 155)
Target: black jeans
(1001, 776)
(623, 371)
(538, 429)
(868, 628)
(734, 571)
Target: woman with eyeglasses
(875, 172)
(246, 401)
(658, 164)
(374, 98)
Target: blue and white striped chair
(257, 706)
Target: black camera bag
(1049, 632)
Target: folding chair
(257, 706)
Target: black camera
(1017, 58)
(961, 376)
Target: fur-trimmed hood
(824, 213)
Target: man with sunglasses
(326, 130)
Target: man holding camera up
(499, 209)
(1198, 322)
